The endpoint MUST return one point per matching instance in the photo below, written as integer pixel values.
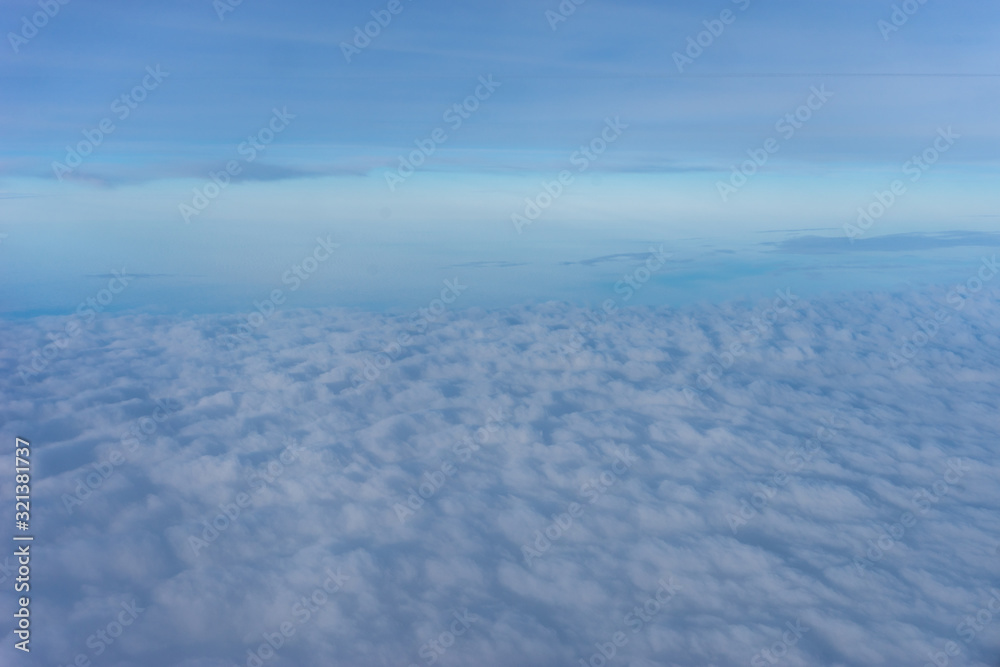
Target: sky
(569, 332)
(216, 74)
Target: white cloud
(564, 415)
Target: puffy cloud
(814, 501)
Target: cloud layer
(533, 486)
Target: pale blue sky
(325, 170)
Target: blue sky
(461, 276)
(686, 128)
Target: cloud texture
(536, 486)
